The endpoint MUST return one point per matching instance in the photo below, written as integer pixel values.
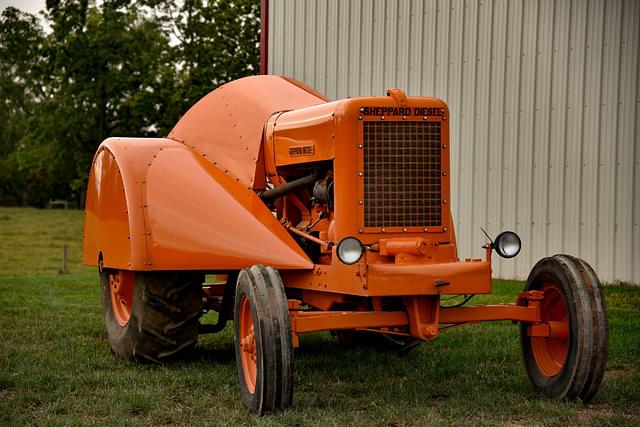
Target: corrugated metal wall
(544, 98)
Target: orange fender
(187, 202)
(154, 204)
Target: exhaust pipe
(289, 187)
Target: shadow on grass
(219, 355)
(323, 367)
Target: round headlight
(349, 250)
(507, 244)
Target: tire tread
(159, 328)
(274, 386)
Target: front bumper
(473, 277)
(379, 279)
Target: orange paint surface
(173, 210)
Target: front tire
(264, 350)
(570, 363)
(151, 316)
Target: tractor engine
(372, 169)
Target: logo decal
(302, 150)
(402, 111)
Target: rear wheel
(264, 350)
(570, 362)
(151, 316)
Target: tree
(112, 71)
(219, 42)
(116, 68)
(21, 56)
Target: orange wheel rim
(121, 288)
(550, 353)
(248, 353)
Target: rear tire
(157, 318)
(264, 350)
(570, 366)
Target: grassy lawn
(56, 367)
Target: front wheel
(570, 362)
(264, 349)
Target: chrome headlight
(507, 244)
(350, 250)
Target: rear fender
(154, 204)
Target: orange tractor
(314, 216)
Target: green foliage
(227, 30)
(21, 57)
(110, 68)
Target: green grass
(32, 241)
(56, 367)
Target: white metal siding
(544, 98)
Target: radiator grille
(402, 173)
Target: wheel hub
(247, 338)
(550, 352)
(248, 344)
(121, 290)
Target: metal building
(544, 100)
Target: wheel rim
(121, 288)
(248, 353)
(550, 353)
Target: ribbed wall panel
(544, 98)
